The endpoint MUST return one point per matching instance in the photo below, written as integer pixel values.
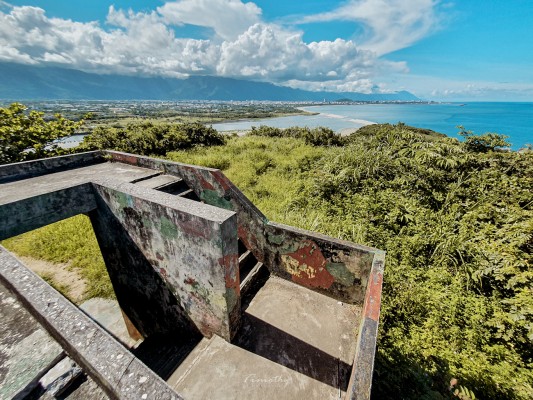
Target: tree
(28, 136)
(483, 143)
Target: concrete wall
(360, 384)
(34, 212)
(173, 262)
(113, 367)
(333, 267)
(336, 268)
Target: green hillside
(456, 220)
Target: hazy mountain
(24, 82)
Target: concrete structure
(227, 303)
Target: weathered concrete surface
(336, 268)
(361, 376)
(35, 186)
(108, 363)
(31, 213)
(27, 169)
(26, 350)
(172, 261)
(107, 313)
(294, 344)
(30, 203)
(87, 389)
(59, 378)
(174, 266)
(66, 381)
(158, 181)
(333, 267)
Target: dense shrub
(428, 134)
(151, 138)
(316, 137)
(456, 220)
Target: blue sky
(439, 50)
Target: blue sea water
(512, 119)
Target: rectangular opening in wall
(66, 254)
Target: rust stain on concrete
(307, 266)
(373, 296)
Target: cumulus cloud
(391, 24)
(243, 46)
(228, 18)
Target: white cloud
(228, 18)
(269, 52)
(391, 24)
(449, 89)
(145, 43)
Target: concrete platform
(31, 187)
(294, 343)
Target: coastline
(341, 124)
(250, 119)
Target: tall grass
(271, 172)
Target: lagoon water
(512, 119)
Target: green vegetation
(152, 139)
(28, 136)
(456, 219)
(271, 172)
(317, 137)
(69, 241)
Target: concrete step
(163, 354)
(248, 270)
(108, 314)
(246, 262)
(157, 181)
(248, 281)
(189, 194)
(169, 184)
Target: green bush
(316, 137)
(152, 139)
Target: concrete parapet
(27, 169)
(114, 368)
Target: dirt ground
(72, 283)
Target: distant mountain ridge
(26, 82)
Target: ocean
(512, 119)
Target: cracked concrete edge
(110, 365)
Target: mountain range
(27, 82)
